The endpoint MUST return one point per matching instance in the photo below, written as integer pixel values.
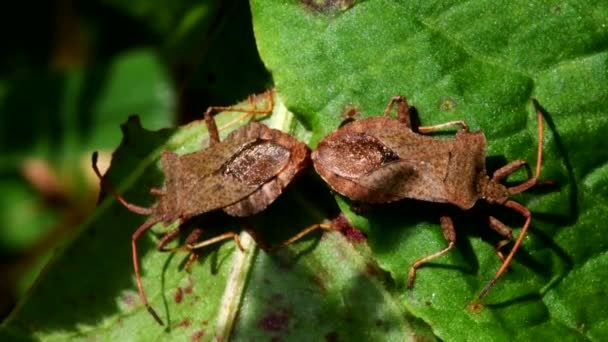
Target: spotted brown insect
(381, 160)
(240, 175)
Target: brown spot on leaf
(475, 307)
(128, 300)
(183, 324)
(341, 222)
(354, 235)
(350, 114)
(447, 104)
(188, 289)
(351, 233)
(179, 295)
(275, 321)
(198, 335)
(328, 6)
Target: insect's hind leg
(403, 110)
(447, 227)
(214, 136)
(140, 287)
(523, 211)
(302, 233)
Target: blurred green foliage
(71, 73)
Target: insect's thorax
(466, 174)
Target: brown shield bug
(240, 175)
(381, 159)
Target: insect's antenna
(539, 152)
(539, 155)
(140, 287)
(525, 213)
(132, 207)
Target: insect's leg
(194, 235)
(504, 231)
(508, 169)
(403, 111)
(157, 192)
(304, 232)
(191, 246)
(168, 237)
(132, 207)
(440, 127)
(214, 136)
(138, 233)
(252, 102)
(447, 226)
(523, 211)
(539, 155)
(221, 237)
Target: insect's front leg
(510, 168)
(447, 227)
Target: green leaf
(481, 62)
(90, 285)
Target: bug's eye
(353, 155)
(257, 163)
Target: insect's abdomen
(268, 165)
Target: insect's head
(493, 192)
